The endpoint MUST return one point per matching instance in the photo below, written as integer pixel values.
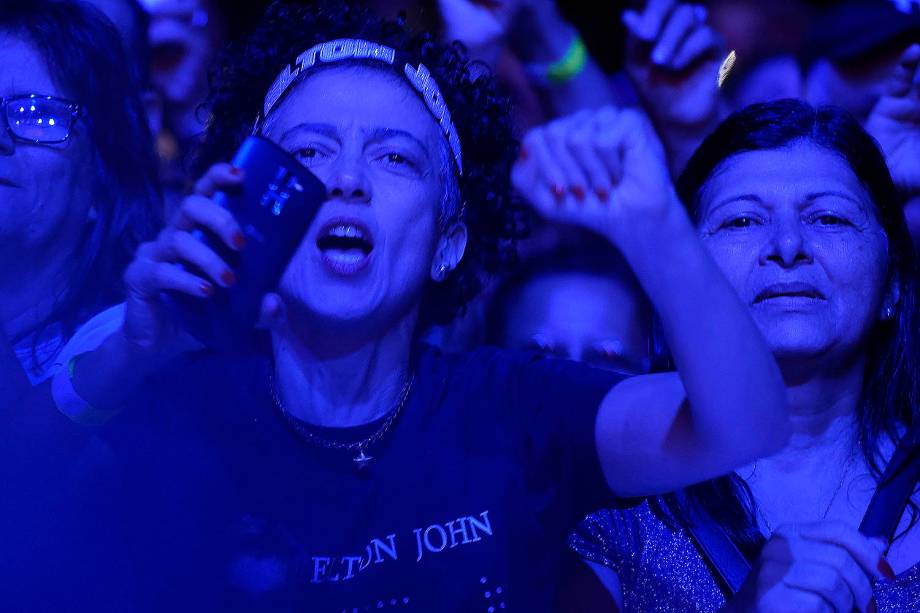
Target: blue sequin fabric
(660, 570)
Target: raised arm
(726, 404)
(672, 58)
(557, 61)
(147, 338)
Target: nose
(788, 245)
(348, 181)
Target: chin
(794, 337)
(339, 309)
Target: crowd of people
(604, 309)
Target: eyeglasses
(39, 119)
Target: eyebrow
(836, 194)
(750, 197)
(323, 129)
(375, 134)
(808, 198)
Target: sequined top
(660, 570)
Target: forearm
(681, 141)
(551, 37)
(109, 375)
(732, 382)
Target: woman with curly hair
(358, 468)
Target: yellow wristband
(571, 64)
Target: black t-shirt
(464, 507)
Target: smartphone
(274, 206)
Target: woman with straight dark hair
(78, 185)
(78, 192)
(798, 208)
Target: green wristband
(571, 64)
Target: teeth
(346, 231)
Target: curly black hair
(481, 114)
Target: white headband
(354, 48)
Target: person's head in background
(853, 50)
(132, 21)
(78, 187)
(185, 37)
(578, 302)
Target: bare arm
(537, 33)
(726, 404)
(672, 58)
(543, 37)
(148, 338)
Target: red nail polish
(885, 568)
(872, 608)
(579, 192)
(524, 154)
(558, 191)
(602, 194)
(239, 241)
(228, 278)
(235, 171)
(206, 289)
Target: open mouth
(345, 245)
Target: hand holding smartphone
(274, 206)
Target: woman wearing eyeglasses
(78, 192)
(78, 188)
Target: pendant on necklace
(362, 460)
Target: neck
(822, 409)
(821, 460)
(30, 283)
(823, 402)
(319, 382)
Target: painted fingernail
(235, 171)
(558, 191)
(206, 289)
(228, 278)
(872, 608)
(602, 194)
(579, 192)
(885, 568)
(524, 154)
(239, 241)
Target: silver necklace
(846, 470)
(361, 459)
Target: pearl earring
(442, 272)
